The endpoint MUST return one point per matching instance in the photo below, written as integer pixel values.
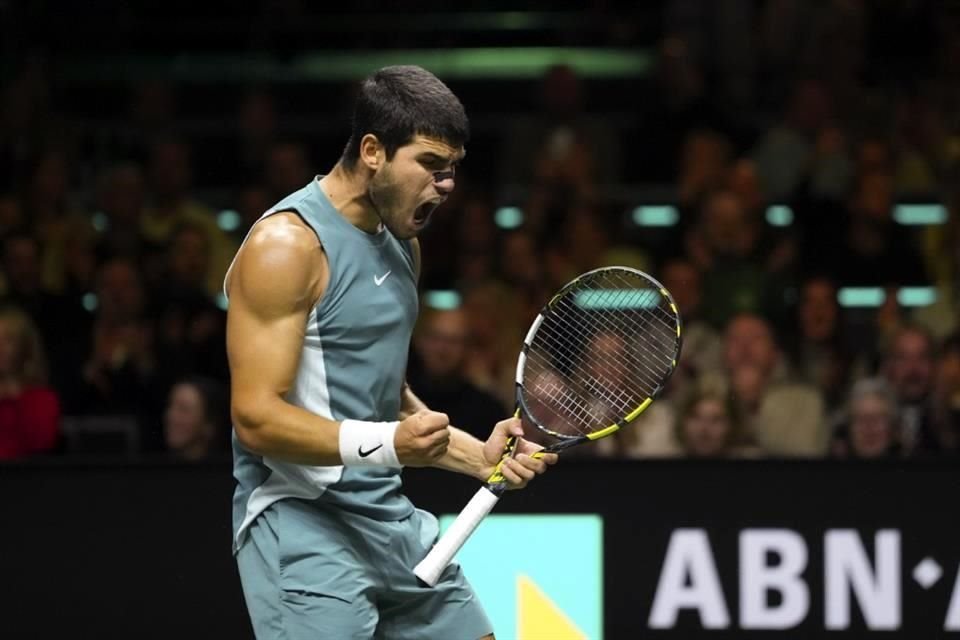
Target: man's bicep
(263, 347)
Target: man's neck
(347, 192)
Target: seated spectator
(29, 410)
(49, 312)
(872, 423)
(724, 246)
(496, 333)
(819, 353)
(438, 374)
(195, 418)
(119, 376)
(172, 205)
(287, 168)
(701, 343)
(120, 198)
(782, 417)
(870, 248)
(908, 367)
(709, 424)
(947, 392)
(191, 329)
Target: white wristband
(368, 444)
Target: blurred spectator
(438, 373)
(701, 343)
(496, 333)
(590, 241)
(252, 202)
(25, 111)
(50, 312)
(918, 134)
(677, 102)
(191, 329)
(560, 149)
(872, 422)
(872, 249)
(818, 351)
(651, 433)
(51, 216)
(521, 266)
(800, 38)
(784, 154)
(724, 247)
(152, 112)
(941, 253)
(29, 409)
(782, 417)
(118, 377)
(909, 368)
(475, 247)
(709, 424)
(11, 214)
(195, 419)
(171, 205)
(121, 194)
(703, 166)
(287, 168)
(256, 132)
(947, 393)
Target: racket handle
(430, 568)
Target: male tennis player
(323, 299)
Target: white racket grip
(430, 568)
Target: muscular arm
(277, 278)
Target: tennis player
(323, 299)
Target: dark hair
(397, 103)
(215, 397)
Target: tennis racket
(593, 360)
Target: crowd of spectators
(114, 241)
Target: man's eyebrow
(430, 155)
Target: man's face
(818, 310)
(910, 366)
(442, 345)
(749, 342)
(404, 190)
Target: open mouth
(422, 213)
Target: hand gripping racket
(595, 357)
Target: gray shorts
(315, 573)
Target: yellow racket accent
(596, 435)
(633, 414)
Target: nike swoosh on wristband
(379, 280)
(364, 454)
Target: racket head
(600, 351)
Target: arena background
(789, 169)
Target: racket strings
(670, 329)
(667, 321)
(577, 322)
(639, 363)
(587, 389)
(581, 329)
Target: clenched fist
(422, 439)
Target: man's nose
(444, 181)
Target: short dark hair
(397, 103)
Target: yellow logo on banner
(538, 618)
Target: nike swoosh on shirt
(378, 280)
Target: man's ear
(372, 153)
